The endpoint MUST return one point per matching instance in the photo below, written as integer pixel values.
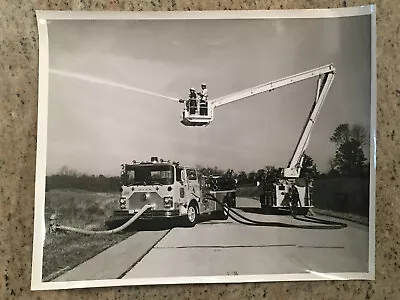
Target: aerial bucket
(201, 115)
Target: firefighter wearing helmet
(203, 99)
(192, 94)
(192, 101)
(204, 93)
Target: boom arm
(295, 164)
(325, 76)
(266, 87)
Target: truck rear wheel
(222, 214)
(233, 202)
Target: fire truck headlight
(168, 202)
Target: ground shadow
(264, 211)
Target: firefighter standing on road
(294, 198)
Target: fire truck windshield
(150, 175)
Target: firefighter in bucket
(192, 103)
(203, 100)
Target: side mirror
(183, 175)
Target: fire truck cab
(173, 191)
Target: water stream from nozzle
(92, 79)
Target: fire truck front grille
(140, 199)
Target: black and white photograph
(205, 147)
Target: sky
(93, 126)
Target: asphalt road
(220, 248)
(228, 248)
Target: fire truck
(171, 189)
(287, 190)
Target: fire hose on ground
(321, 224)
(54, 226)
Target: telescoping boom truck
(288, 190)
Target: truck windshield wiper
(137, 183)
(155, 183)
(145, 183)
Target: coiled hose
(324, 224)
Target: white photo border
(39, 220)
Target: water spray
(93, 79)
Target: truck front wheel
(192, 215)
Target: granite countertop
(18, 115)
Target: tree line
(349, 161)
(67, 178)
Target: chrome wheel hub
(191, 214)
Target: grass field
(345, 195)
(77, 208)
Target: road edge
(142, 256)
(93, 269)
(328, 213)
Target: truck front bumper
(149, 214)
